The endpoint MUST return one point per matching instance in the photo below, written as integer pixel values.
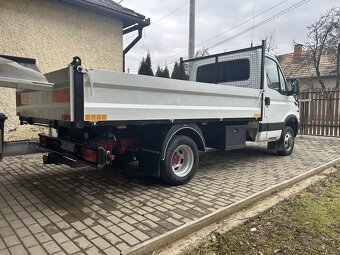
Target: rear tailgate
(39, 97)
(54, 104)
(22, 74)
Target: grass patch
(308, 223)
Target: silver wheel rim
(288, 141)
(182, 160)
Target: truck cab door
(277, 103)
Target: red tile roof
(304, 68)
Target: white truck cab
(280, 106)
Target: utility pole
(191, 52)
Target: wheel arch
(191, 130)
(293, 122)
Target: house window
(227, 71)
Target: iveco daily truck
(104, 117)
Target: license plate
(67, 146)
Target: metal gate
(320, 112)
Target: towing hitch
(57, 159)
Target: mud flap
(149, 154)
(150, 162)
(272, 146)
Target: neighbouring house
(54, 31)
(299, 65)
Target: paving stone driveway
(58, 210)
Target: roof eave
(310, 77)
(127, 18)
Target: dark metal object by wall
(2, 125)
(16, 148)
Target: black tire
(185, 151)
(286, 142)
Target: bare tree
(202, 52)
(323, 38)
(271, 42)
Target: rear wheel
(181, 160)
(286, 142)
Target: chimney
(297, 51)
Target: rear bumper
(74, 152)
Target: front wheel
(286, 142)
(181, 160)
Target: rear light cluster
(90, 155)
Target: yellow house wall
(53, 33)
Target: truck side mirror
(295, 88)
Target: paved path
(57, 210)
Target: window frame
(279, 71)
(218, 71)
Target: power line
(160, 19)
(294, 6)
(263, 22)
(243, 22)
(152, 24)
(226, 31)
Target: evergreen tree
(162, 72)
(145, 67)
(148, 65)
(159, 72)
(179, 72)
(175, 72)
(166, 73)
(142, 67)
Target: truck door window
(283, 85)
(273, 80)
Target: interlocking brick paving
(48, 209)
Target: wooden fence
(320, 112)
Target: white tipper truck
(104, 117)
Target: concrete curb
(158, 242)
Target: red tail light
(90, 155)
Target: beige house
(299, 65)
(54, 31)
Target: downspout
(139, 27)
